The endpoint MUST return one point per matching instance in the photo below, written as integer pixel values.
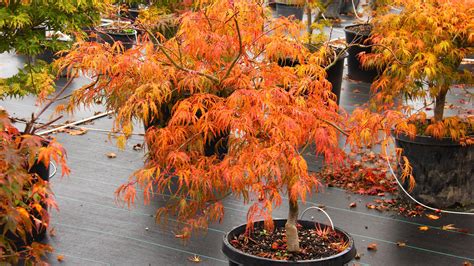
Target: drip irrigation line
(54, 171)
(416, 201)
(320, 209)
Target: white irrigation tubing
(54, 171)
(416, 201)
(312, 218)
(75, 123)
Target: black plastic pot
(334, 73)
(346, 6)
(333, 9)
(355, 71)
(127, 39)
(334, 76)
(283, 10)
(443, 170)
(36, 234)
(237, 257)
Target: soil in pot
(443, 170)
(358, 34)
(320, 245)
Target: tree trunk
(440, 102)
(292, 242)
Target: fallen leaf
(275, 245)
(137, 147)
(357, 256)
(423, 228)
(111, 155)
(370, 206)
(60, 258)
(195, 259)
(449, 227)
(356, 91)
(52, 232)
(372, 246)
(76, 132)
(353, 205)
(432, 216)
(401, 244)
(467, 263)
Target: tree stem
(293, 243)
(440, 102)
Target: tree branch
(240, 51)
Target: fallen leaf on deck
(137, 147)
(372, 246)
(111, 155)
(353, 205)
(423, 228)
(449, 227)
(356, 91)
(370, 206)
(52, 232)
(357, 256)
(467, 263)
(76, 132)
(195, 259)
(432, 216)
(401, 244)
(60, 257)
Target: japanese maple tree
(24, 196)
(420, 50)
(217, 79)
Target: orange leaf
(60, 258)
(432, 216)
(423, 228)
(372, 247)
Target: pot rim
(348, 28)
(426, 140)
(235, 250)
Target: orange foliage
(23, 196)
(217, 84)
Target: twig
(161, 48)
(240, 50)
(75, 123)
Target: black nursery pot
(355, 70)
(237, 257)
(443, 170)
(283, 10)
(36, 234)
(334, 76)
(127, 39)
(334, 73)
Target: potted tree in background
(25, 194)
(288, 8)
(422, 48)
(357, 37)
